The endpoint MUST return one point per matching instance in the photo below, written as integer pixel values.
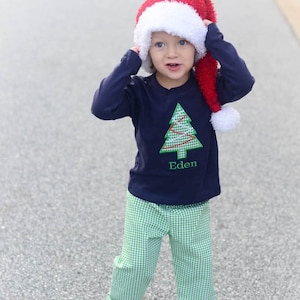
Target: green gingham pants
(146, 224)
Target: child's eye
(183, 42)
(159, 44)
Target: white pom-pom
(226, 119)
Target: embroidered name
(173, 165)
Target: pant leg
(190, 241)
(135, 267)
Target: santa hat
(184, 18)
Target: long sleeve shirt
(177, 152)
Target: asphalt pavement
(64, 173)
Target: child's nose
(172, 51)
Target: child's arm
(114, 97)
(234, 79)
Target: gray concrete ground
(64, 173)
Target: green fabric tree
(181, 135)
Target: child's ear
(195, 57)
(152, 68)
(151, 65)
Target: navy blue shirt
(177, 158)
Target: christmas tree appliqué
(181, 136)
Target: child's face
(173, 57)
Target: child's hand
(136, 49)
(207, 22)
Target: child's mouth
(173, 67)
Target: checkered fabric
(188, 228)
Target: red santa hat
(184, 18)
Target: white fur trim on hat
(175, 18)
